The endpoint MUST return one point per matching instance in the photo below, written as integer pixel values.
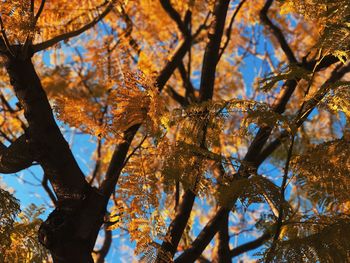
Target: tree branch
(281, 214)
(213, 224)
(117, 162)
(102, 253)
(173, 63)
(254, 149)
(229, 29)
(336, 75)
(175, 16)
(119, 155)
(203, 239)
(46, 187)
(5, 42)
(319, 65)
(51, 149)
(176, 228)
(250, 245)
(179, 53)
(190, 95)
(98, 161)
(129, 29)
(121, 150)
(202, 259)
(40, 10)
(177, 97)
(16, 157)
(66, 36)
(264, 132)
(211, 55)
(310, 105)
(177, 194)
(222, 254)
(277, 32)
(178, 224)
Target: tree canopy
(175, 131)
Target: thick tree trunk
(70, 232)
(49, 146)
(72, 228)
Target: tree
(187, 137)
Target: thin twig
(4, 37)
(277, 32)
(44, 183)
(281, 208)
(134, 150)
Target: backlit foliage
(9, 209)
(18, 232)
(326, 181)
(333, 17)
(313, 240)
(25, 246)
(270, 147)
(339, 100)
(139, 198)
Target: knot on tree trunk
(58, 227)
(71, 229)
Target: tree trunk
(71, 229)
(70, 232)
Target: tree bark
(51, 149)
(222, 251)
(72, 228)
